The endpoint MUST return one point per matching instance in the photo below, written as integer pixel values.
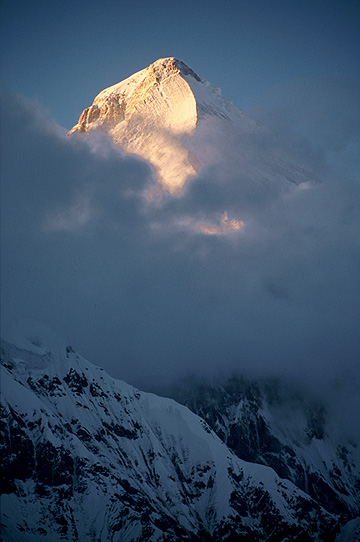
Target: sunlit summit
(155, 114)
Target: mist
(137, 286)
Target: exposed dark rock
(75, 381)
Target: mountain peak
(171, 117)
(154, 112)
(173, 63)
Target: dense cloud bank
(137, 287)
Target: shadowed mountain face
(86, 456)
(277, 425)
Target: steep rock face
(154, 114)
(264, 422)
(88, 457)
(149, 114)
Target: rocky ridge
(89, 457)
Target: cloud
(316, 121)
(227, 226)
(76, 216)
(136, 287)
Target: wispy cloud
(226, 226)
(77, 215)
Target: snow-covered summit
(176, 120)
(155, 113)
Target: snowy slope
(174, 119)
(87, 457)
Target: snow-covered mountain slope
(280, 426)
(156, 114)
(87, 457)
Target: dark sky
(64, 53)
(132, 284)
